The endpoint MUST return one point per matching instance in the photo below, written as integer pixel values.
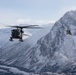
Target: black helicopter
(17, 33)
(68, 31)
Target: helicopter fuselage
(16, 34)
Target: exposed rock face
(57, 49)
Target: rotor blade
(29, 26)
(24, 26)
(33, 27)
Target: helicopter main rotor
(29, 27)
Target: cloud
(42, 22)
(23, 21)
(29, 21)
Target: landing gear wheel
(10, 39)
(21, 40)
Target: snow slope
(55, 52)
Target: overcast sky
(34, 11)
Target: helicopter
(71, 31)
(68, 31)
(17, 32)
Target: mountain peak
(57, 47)
(71, 14)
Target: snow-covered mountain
(56, 52)
(53, 54)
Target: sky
(34, 11)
